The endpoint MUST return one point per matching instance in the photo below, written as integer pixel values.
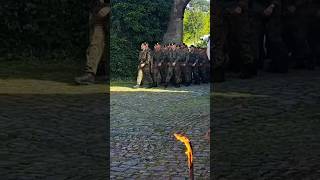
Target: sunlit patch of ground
(44, 77)
(115, 89)
(119, 86)
(35, 86)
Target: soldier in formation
(172, 64)
(145, 67)
(271, 35)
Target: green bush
(58, 30)
(134, 22)
(44, 29)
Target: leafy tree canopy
(196, 22)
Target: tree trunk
(174, 32)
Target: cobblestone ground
(142, 126)
(51, 129)
(268, 127)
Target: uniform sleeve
(197, 58)
(187, 58)
(103, 6)
(178, 56)
(149, 58)
(162, 57)
(140, 57)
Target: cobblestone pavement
(142, 125)
(268, 127)
(52, 130)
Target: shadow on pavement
(54, 136)
(267, 128)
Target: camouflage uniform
(185, 67)
(163, 67)
(96, 47)
(157, 58)
(228, 23)
(204, 66)
(271, 27)
(144, 73)
(194, 66)
(172, 70)
(177, 68)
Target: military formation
(271, 35)
(172, 64)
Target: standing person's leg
(248, 67)
(219, 38)
(256, 26)
(177, 74)
(94, 55)
(187, 74)
(139, 77)
(277, 47)
(147, 77)
(168, 74)
(156, 75)
(163, 72)
(196, 76)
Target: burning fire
(188, 152)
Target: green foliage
(134, 22)
(43, 29)
(196, 22)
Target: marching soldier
(231, 17)
(157, 64)
(204, 66)
(266, 22)
(144, 67)
(171, 65)
(185, 66)
(194, 64)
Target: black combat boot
(150, 86)
(155, 85)
(86, 79)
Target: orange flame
(186, 142)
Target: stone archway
(175, 27)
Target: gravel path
(142, 125)
(268, 127)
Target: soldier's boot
(86, 79)
(196, 77)
(136, 86)
(150, 85)
(218, 75)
